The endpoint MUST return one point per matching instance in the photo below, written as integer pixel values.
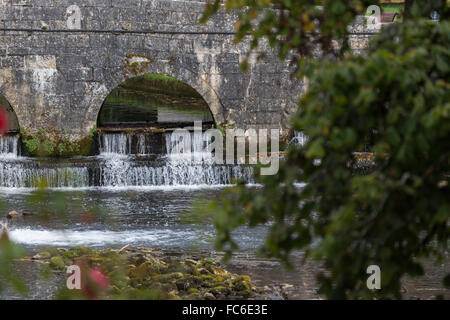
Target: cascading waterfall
(120, 172)
(9, 146)
(17, 172)
(188, 148)
(192, 162)
(185, 164)
(115, 143)
(142, 147)
(21, 175)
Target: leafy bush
(392, 217)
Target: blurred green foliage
(398, 95)
(300, 29)
(8, 253)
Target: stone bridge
(61, 58)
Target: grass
(158, 83)
(158, 76)
(393, 7)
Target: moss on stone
(221, 290)
(132, 274)
(80, 251)
(192, 290)
(57, 263)
(52, 144)
(137, 63)
(243, 285)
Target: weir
(118, 165)
(137, 146)
(9, 146)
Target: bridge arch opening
(137, 116)
(153, 100)
(9, 137)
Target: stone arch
(14, 123)
(183, 74)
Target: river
(117, 198)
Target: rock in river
(13, 214)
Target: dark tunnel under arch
(154, 100)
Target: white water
(115, 143)
(189, 148)
(119, 172)
(71, 238)
(187, 164)
(142, 145)
(299, 138)
(17, 175)
(185, 167)
(9, 146)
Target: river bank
(191, 275)
(140, 273)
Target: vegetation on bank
(45, 144)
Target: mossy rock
(44, 255)
(216, 270)
(200, 271)
(188, 282)
(81, 251)
(194, 296)
(209, 296)
(169, 277)
(192, 290)
(242, 285)
(53, 251)
(208, 278)
(57, 263)
(180, 266)
(52, 144)
(155, 274)
(173, 295)
(143, 271)
(221, 290)
(68, 254)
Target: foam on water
(188, 163)
(98, 238)
(112, 189)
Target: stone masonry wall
(57, 75)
